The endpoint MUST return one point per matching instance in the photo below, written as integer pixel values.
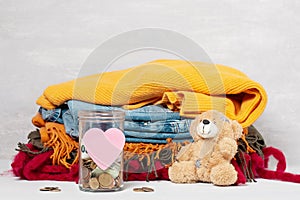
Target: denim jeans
(157, 135)
(154, 141)
(60, 115)
(148, 119)
(54, 115)
(156, 116)
(168, 126)
(71, 125)
(147, 113)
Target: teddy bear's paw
(228, 148)
(182, 172)
(223, 174)
(203, 174)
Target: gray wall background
(46, 42)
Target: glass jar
(101, 140)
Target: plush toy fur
(208, 158)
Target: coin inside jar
(85, 173)
(94, 184)
(106, 180)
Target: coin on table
(106, 180)
(56, 190)
(50, 189)
(138, 190)
(147, 189)
(143, 189)
(44, 189)
(94, 184)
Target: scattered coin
(55, 190)
(143, 189)
(50, 189)
(148, 189)
(138, 190)
(43, 189)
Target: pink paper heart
(104, 147)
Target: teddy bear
(208, 157)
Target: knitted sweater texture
(184, 86)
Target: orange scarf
(53, 135)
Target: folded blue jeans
(155, 115)
(168, 126)
(160, 136)
(155, 141)
(151, 118)
(54, 115)
(147, 113)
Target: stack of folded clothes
(148, 130)
(159, 98)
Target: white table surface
(14, 188)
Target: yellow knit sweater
(187, 87)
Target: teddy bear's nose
(205, 121)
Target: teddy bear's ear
(237, 129)
(193, 127)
